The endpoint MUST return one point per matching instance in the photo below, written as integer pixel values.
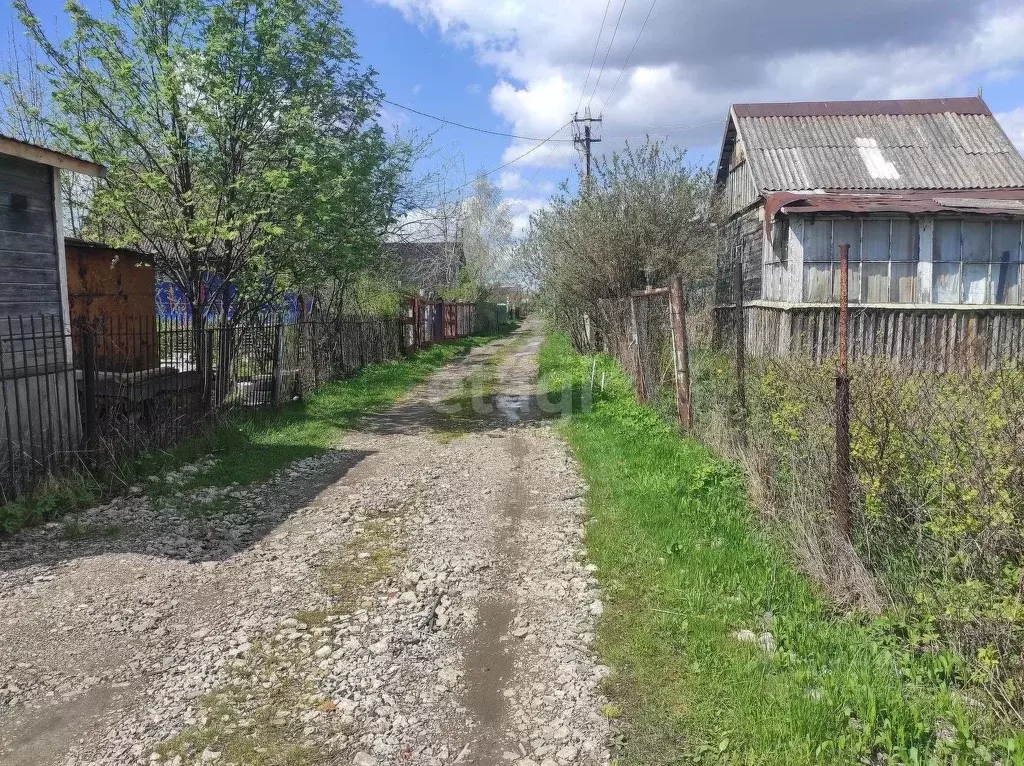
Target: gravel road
(417, 595)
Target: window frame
(858, 260)
(963, 286)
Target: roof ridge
(974, 105)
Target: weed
(684, 568)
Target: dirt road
(415, 596)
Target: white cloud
(1013, 124)
(522, 208)
(510, 181)
(695, 57)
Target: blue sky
(671, 67)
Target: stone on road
(417, 595)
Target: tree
(645, 215)
(487, 239)
(26, 109)
(215, 120)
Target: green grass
(248, 447)
(684, 567)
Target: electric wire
(643, 26)
(515, 159)
(467, 127)
(593, 56)
(606, 53)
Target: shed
(112, 291)
(928, 193)
(40, 407)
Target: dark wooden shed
(40, 419)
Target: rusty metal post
(279, 393)
(638, 366)
(208, 375)
(89, 388)
(841, 488)
(741, 342)
(677, 310)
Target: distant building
(929, 194)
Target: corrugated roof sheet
(927, 149)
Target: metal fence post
(741, 342)
(278, 397)
(208, 371)
(89, 388)
(842, 478)
(638, 362)
(677, 308)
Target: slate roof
(873, 145)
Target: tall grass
(690, 578)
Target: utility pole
(583, 135)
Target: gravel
(404, 598)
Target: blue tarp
(171, 303)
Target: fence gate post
(89, 388)
(677, 310)
(279, 362)
(841, 488)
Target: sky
(670, 69)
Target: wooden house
(928, 193)
(40, 418)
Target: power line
(593, 56)
(515, 160)
(468, 127)
(643, 26)
(608, 51)
(666, 130)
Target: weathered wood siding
(933, 338)
(40, 403)
(29, 278)
(743, 237)
(740, 191)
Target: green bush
(939, 493)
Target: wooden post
(279, 362)
(677, 310)
(841, 488)
(89, 388)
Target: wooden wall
(743, 236)
(932, 338)
(40, 418)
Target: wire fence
(899, 469)
(114, 387)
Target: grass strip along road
(721, 652)
(250, 447)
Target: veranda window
(775, 268)
(883, 259)
(977, 262)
